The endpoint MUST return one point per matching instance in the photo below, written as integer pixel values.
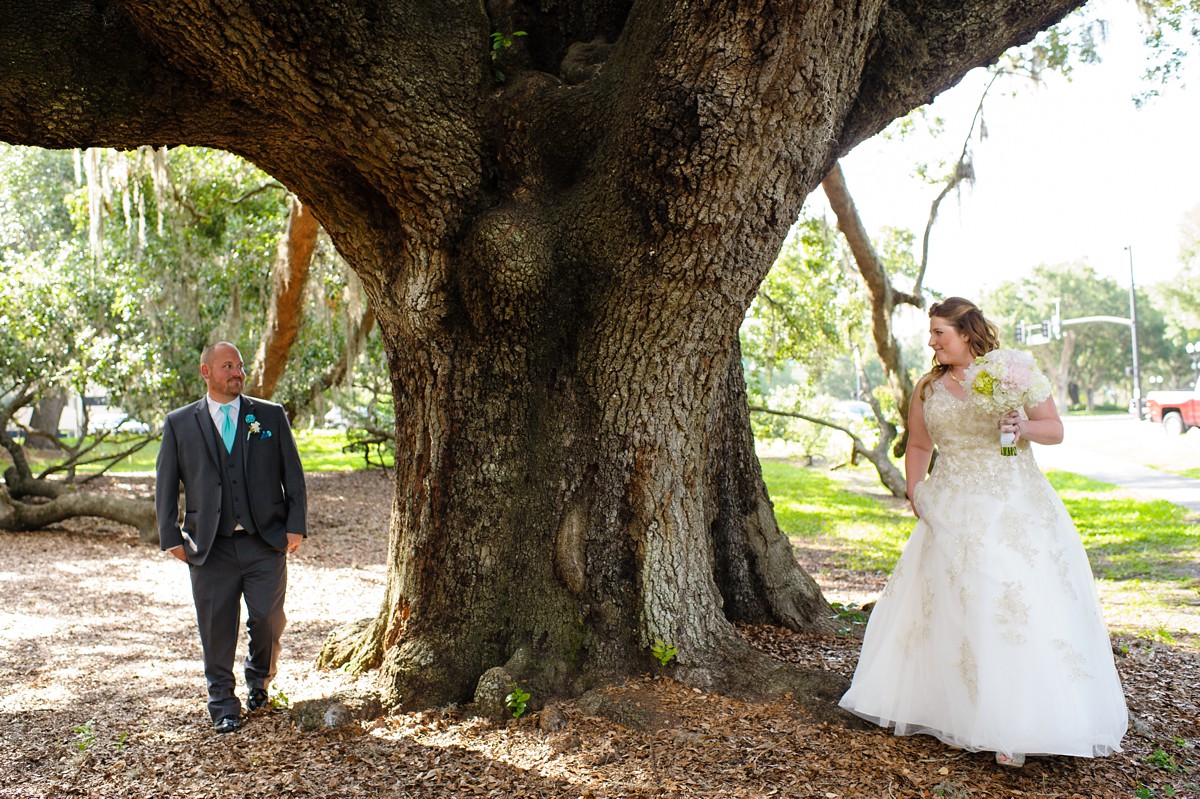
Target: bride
(988, 635)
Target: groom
(244, 512)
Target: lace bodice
(968, 445)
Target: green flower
(984, 383)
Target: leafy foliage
(85, 735)
(1100, 351)
(848, 616)
(517, 700)
(800, 313)
(1169, 29)
(502, 41)
(113, 284)
(116, 268)
(663, 652)
(802, 327)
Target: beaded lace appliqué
(1012, 613)
(968, 670)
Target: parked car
(117, 422)
(1177, 410)
(852, 411)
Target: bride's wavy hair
(965, 317)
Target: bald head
(223, 371)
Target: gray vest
(235, 507)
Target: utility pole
(1137, 375)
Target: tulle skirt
(989, 635)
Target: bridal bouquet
(1002, 381)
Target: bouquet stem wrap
(1003, 381)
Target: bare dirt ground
(101, 695)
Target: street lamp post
(1137, 377)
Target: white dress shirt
(214, 410)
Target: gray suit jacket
(274, 478)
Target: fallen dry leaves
(101, 695)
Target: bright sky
(1069, 171)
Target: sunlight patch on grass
(1159, 611)
(1068, 481)
(811, 506)
(1193, 473)
(320, 451)
(1144, 554)
(1128, 539)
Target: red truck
(1177, 410)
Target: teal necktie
(228, 428)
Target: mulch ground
(101, 695)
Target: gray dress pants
(237, 567)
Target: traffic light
(1019, 332)
(1046, 329)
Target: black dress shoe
(258, 699)
(227, 724)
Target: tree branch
(889, 475)
(920, 49)
(23, 517)
(964, 170)
(21, 397)
(879, 287)
(285, 312)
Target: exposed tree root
(58, 503)
(354, 647)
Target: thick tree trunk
(566, 528)
(557, 263)
(289, 277)
(45, 418)
(756, 571)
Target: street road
(1121, 450)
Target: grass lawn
(1146, 555)
(320, 451)
(812, 505)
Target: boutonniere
(255, 428)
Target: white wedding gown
(988, 634)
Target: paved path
(1116, 449)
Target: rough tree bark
(558, 264)
(755, 569)
(289, 277)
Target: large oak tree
(559, 244)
